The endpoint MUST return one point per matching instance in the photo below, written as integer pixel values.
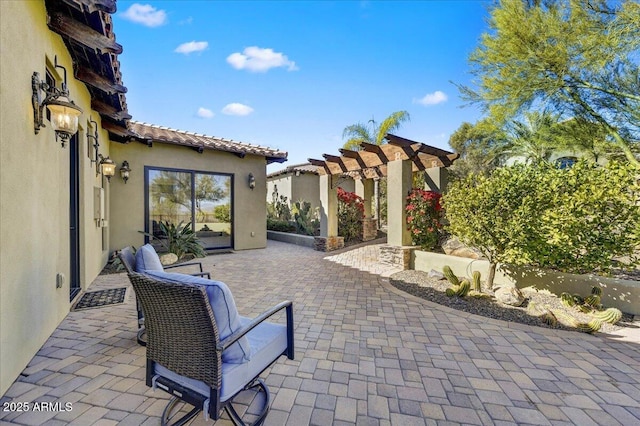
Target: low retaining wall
(618, 293)
(286, 237)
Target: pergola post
(328, 239)
(364, 189)
(436, 179)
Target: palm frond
(390, 124)
(357, 133)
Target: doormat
(96, 299)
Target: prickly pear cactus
(477, 285)
(448, 273)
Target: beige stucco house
(60, 217)
(301, 182)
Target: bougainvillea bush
(350, 215)
(423, 218)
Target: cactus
(585, 308)
(549, 318)
(593, 300)
(611, 315)
(567, 299)
(579, 300)
(477, 285)
(590, 327)
(450, 292)
(448, 273)
(463, 288)
(596, 291)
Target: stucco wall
(306, 187)
(34, 193)
(283, 185)
(127, 200)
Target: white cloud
(192, 46)
(145, 14)
(257, 59)
(434, 98)
(237, 109)
(205, 113)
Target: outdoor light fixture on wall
(124, 171)
(252, 181)
(107, 167)
(94, 138)
(64, 113)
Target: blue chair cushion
(224, 311)
(268, 341)
(147, 259)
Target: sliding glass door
(190, 197)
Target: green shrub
(574, 220)
(280, 225)
(222, 213)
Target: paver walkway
(366, 354)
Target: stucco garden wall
(618, 293)
(34, 192)
(127, 200)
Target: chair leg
(235, 417)
(167, 414)
(142, 336)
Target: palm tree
(370, 133)
(373, 134)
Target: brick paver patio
(365, 354)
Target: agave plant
(178, 239)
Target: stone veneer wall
(398, 256)
(369, 229)
(329, 243)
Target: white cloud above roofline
(192, 46)
(258, 59)
(238, 109)
(205, 113)
(145, 14)
(434, 98)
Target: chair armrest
(185, 264)
(230, 340)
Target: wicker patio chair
(186, 355)
(128, 259)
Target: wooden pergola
(371, 161)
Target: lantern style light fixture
(64, 113)
(124, 171)
(107, 167)
(94, 138)
(252, 181)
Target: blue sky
(292, 75)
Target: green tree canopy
(371, 132)
(578, 58)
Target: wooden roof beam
(319, 163)
(92, 78)
(335, 159)
(115, 129)
(109, 111)
(376, 149)
(82, 34)
(108, 6)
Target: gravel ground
(419, 284)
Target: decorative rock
(436, 275)
(168, 259)
(509, 296)
(454, 247)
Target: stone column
(436, 179)
(328, 239)
(398, 187)
(364, 189)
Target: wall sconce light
(94, 137)
(107, 167)
(64, 113)
(252, 181)
(124, 171)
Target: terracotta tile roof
(154, 133)
(302, 168)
